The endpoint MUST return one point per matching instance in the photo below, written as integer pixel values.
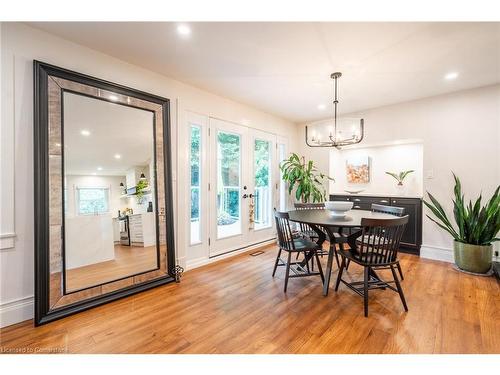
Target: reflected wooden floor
(235, 306)
(129, 260)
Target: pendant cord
(335, 102)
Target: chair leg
(365, 289)
(320, 269)
(276, 263)
(339, 276)
(400, 271)
(400, 290)
(347, 264)
(307, 263)
(287, 273)
(332, 245)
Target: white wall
(460, 132)
(20, 45)
(391, 158)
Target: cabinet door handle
(357, 207)
(384, 201)
(357, 200)
(394, 202)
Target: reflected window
(195, 161)
(92, 201)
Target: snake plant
(476, 225)
(309, 181)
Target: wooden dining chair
(391, 210)
(307, 231)
(377, 249)
(304, 229)
(289, 244)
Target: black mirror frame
(43, 314)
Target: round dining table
(325, 224)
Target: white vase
(401, 190)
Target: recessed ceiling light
(85, 132)
(99, 168)
(183, 30)
(451, 75)
(113, 98)
(118, 156)
(321, 106)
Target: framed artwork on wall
(358, 170)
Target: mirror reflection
(109, 199)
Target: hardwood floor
(129, 260)
(235, 306)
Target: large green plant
(476, 225)
(305, 176)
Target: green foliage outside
(229, 152)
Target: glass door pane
(228, 184)
(195, 161)
(262, 192)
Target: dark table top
(324, 218)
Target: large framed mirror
(103, 194)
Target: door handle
(251, 196)
(245, 196)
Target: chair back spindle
(391, 210)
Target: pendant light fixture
(333, 136)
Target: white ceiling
(284, 68)
(114, 129)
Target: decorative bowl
(354, 191)
(338, 208)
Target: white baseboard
(16, 311)
(437, 253)
(195, 263)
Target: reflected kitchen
(110, 226)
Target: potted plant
(400, 176)
(477, 228)
(305, 176)
(141, 186)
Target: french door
(239, 168)
(242, 186)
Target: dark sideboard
(412, 238)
